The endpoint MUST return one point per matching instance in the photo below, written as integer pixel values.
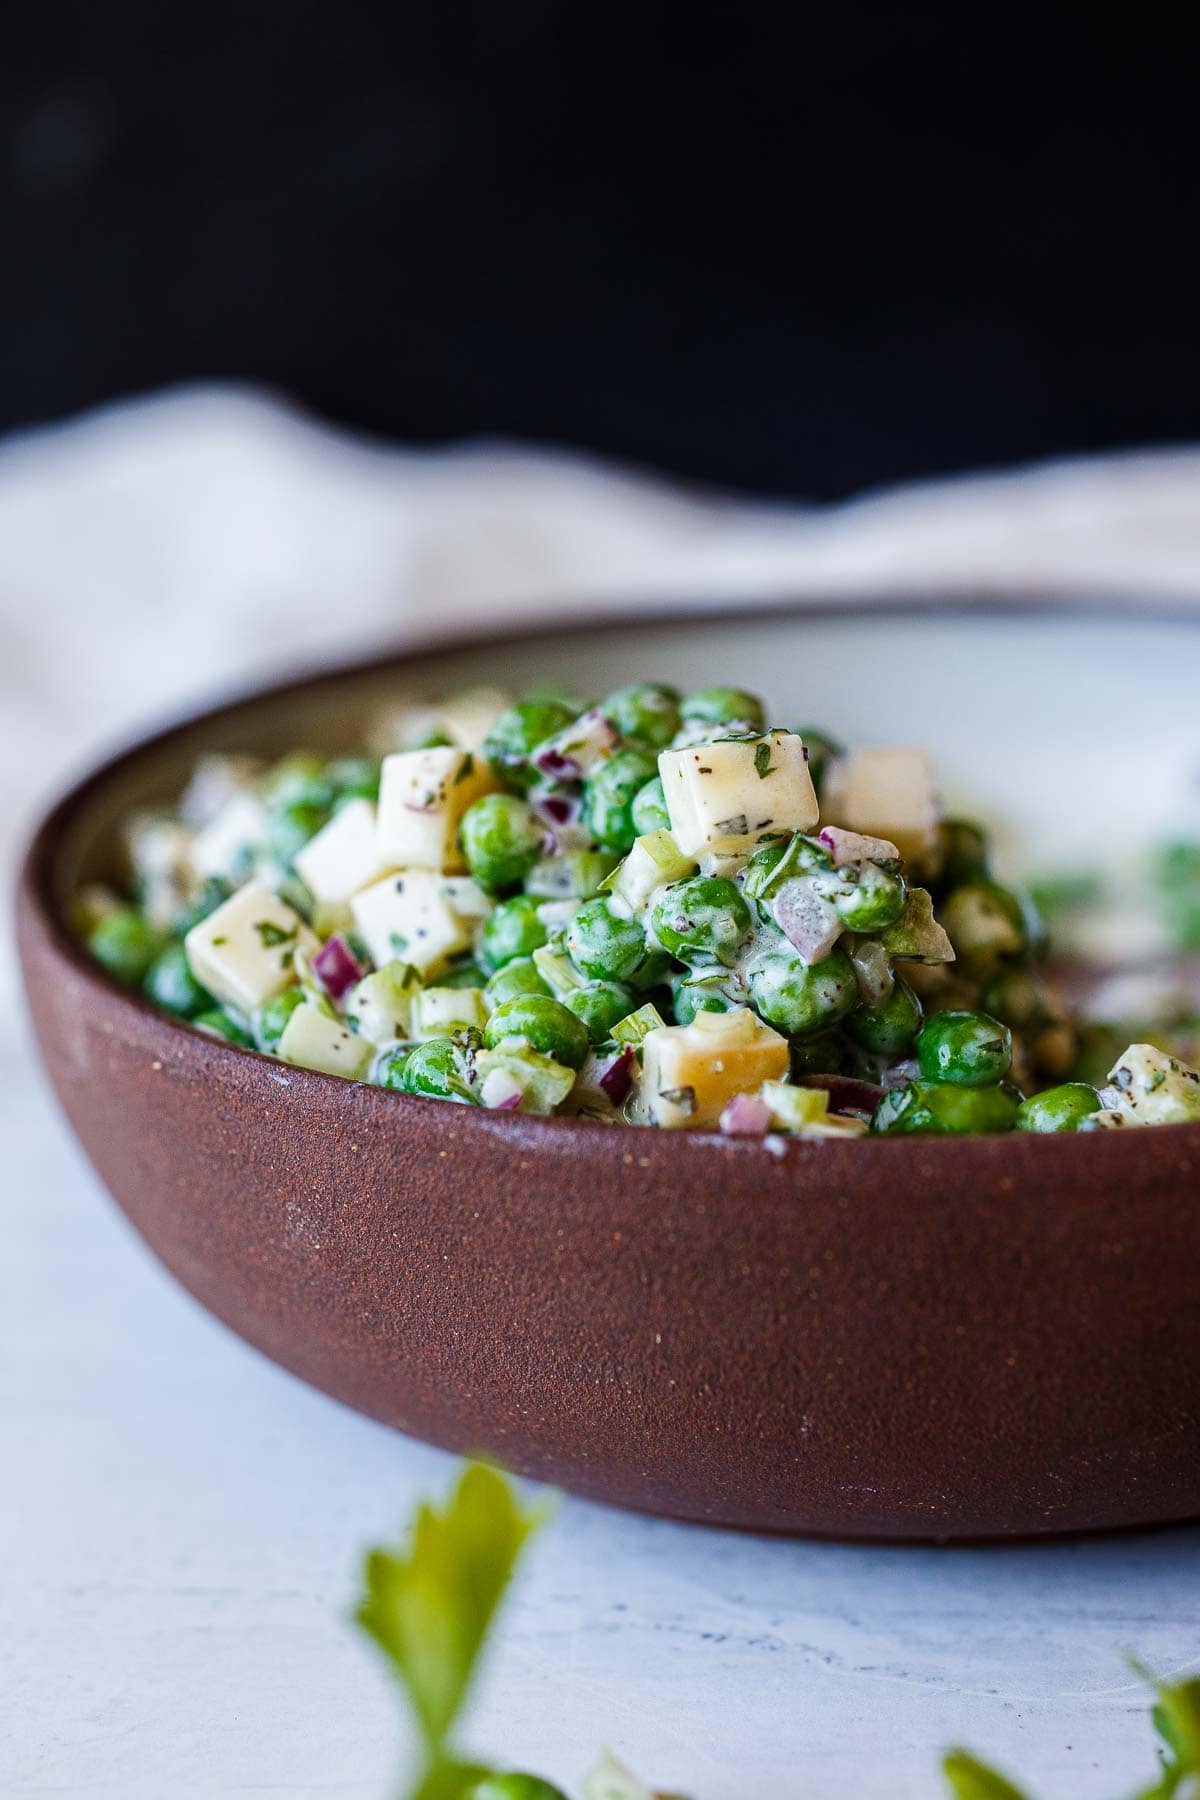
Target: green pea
(511, 929)
(518, 731)
(821, 750)
(604, 945)
(646, 711)
(267, 1021)
(124, 944)
(516, 1787)
(969, 1049)
(218, 1023)
(798, 997)
(520, 976)
(649, 810)
(1017, 996)
(388, 1066)
(774, 863)
(289, 829)
(463, 975)
(352, 778)
(501, 841)
(869, 898)
(608, 796)
(701, 995)
(964, 853)
(701, 918)
(601, 1004)
(439, 1070)
(889, 1028)
(986, 924)
(932, 1107)
(546, 1025)
(170, 984)
(213, 893)
(824, 1053)
(1100, 1045)
(1059, 1108)
(300, 778)
(722, 706)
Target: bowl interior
(1074, 732)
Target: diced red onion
(556, 809)
(576, 749)
(746, 1116)
(336, 967)
(856, 846)
(500, 1091)
(552, 762)
(846, 1094)
(616, 1077)
(872, 971)
(807, 920)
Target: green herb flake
(272, 935)
(762, 761)
(466, 769)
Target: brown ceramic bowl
(905, 1339)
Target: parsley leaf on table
(969, 1779)
(430, 1605)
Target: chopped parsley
(762, 760)
(272, 935)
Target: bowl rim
(36, 885)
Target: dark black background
(802, 250)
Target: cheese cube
(160, 850)
(409, 915)
(381, 1005)
(468, 716)
(226, 845)
(343, 856)
(691, 1072)
(315, 1041)
(723, 797)
(438, 1011)
(1155, 1088)
(886, 793)
(466, 897)
(423, 795)
(245, 951)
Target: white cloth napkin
(169, 548)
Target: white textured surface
(179, 1521)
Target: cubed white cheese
(409, 915)
(1155, 1088)
(468, 716)
(423, 795)
(343, 856)
(245, 951)
(315, 1041)
(161, 853)
(691, 1072)
(226, 845)
(886, 793)
(724, 797)
(466, 897)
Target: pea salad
(655, 909)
